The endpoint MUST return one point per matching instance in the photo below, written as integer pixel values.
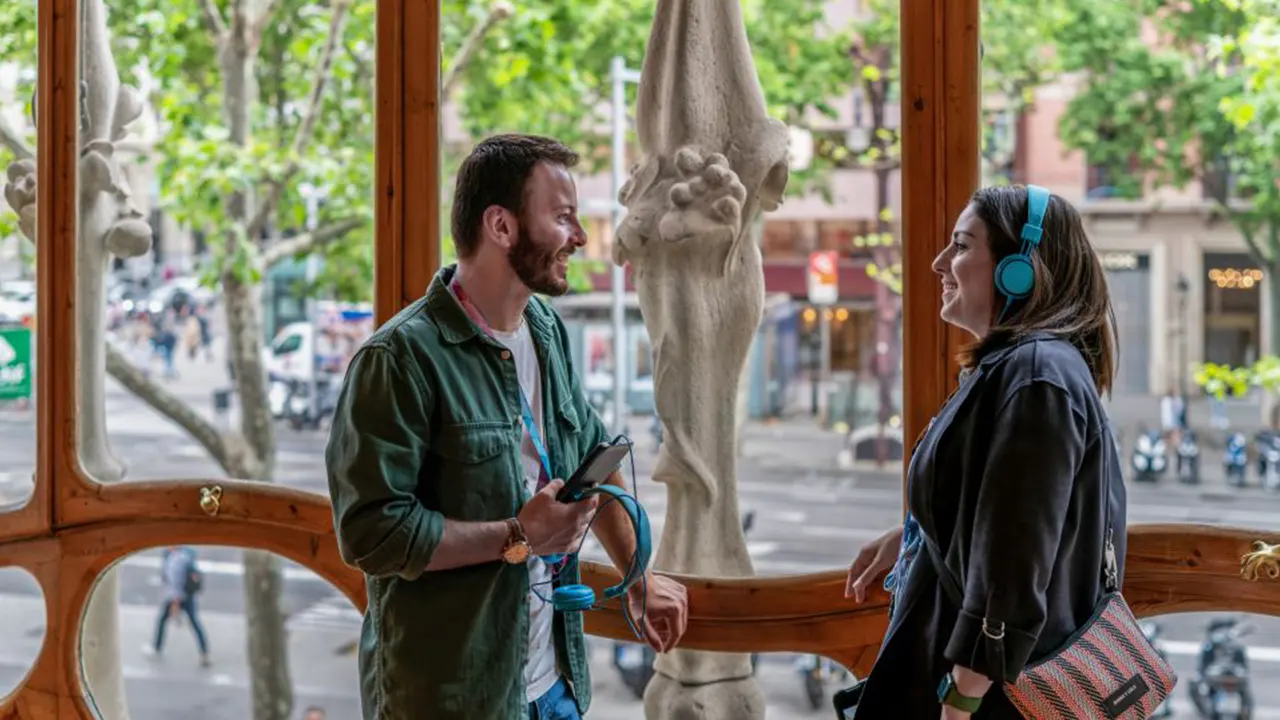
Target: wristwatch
(949, 695)
(517, 549)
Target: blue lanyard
(526, 413)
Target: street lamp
(1182, 288)
(620, 75)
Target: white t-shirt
(540, 672)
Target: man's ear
(501, 226)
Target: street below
(810, 515)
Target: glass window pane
(164, 622)
(237, 238)
(23, 605)
(18, 142)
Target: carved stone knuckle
(727, 209)
(688, 160)
(718, 175)
(681, 194)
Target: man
(182, 581)
(313, 713)
(454, 420)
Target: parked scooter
(1267, 444)
(1151, 630)
(1220, 689)
(1188, 458)
(1149, 456)
(1235, 459)
(815, 672)
(634, 661)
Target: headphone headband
(1037, 205)
(1016, 275)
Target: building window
(1232, 308)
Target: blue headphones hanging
(1015, 275)
(582, 597)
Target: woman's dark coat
(1010, 485)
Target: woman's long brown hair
(1070, 299)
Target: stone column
(712, 159)
(109, 224)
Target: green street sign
(15, 363)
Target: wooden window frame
(74, 528)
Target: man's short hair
(495, 174)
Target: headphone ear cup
(1015, 276)
(573, 597)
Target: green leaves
(1222, 381)
(1174, 92)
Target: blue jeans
(556, 704)
(187, 606)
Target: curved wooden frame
(75, 528)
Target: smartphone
(600, 462)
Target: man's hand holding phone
(553, 527)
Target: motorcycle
(1149, 460)
(1268, 446)
(815, 672)
(1220, 689)
(1188, 458)
(1151, 630)
(1235, 460)
(634, 661)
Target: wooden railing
(1171, 568)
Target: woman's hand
(874, 558)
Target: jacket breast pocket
(477, 472)
(569, 425)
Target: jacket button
(506, 354)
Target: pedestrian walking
(183, 581)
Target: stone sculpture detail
(712, 159)
(109, 224)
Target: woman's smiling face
(967, 270)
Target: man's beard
(535, 266)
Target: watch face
(516, 554)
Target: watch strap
(515, 535)
(949, 695)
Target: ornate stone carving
(712, 158)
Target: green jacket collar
(457, 327)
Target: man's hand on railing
(665, 604)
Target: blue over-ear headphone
(1015, 275)
(582, 597)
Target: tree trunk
(268, 640)
(268, 645)
(887, 303)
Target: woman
(1001, 557)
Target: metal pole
(618, 283)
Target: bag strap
(1110, 566)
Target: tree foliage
(1015, 60)
(1173, 92)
